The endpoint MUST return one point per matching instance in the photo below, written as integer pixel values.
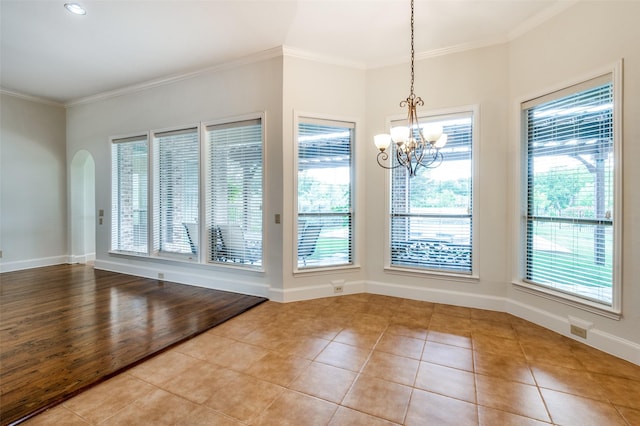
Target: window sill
(186, 259)
(129, 254)
(569, 300)
(173, 257)
(237, 266)
(448, 276)
(325, 270)
(176, 257)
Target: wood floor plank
(65, 328)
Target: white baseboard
(314, 292)
(448, 297)
(201, 280)
(596, 338)
(19, 265)
(82, 258)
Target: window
(234, 192)
(129, 183)
(230, 198)
(176, 189)
(325, 193)
(570, 191)
(431, 215)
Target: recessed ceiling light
(75, 8)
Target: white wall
(584, 38)
(33, 178)
(587, 36)
(229, 91)
(82, 208)
(472, 78)
(323, 91)
(580, 41)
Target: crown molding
(26, 97)
(464, 47)
(279, 51)
(419, 56)
(528, 25)
(292, 52)
(540, 18)
(163, 81)
(545, 15)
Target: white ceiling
(49, 53)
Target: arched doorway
(83, 213)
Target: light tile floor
(367, 360)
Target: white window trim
(204, 165)
(112, 140)
(205, 168)
(153, 174)
(474, 276)
(300, 116)
(520, 206)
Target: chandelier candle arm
(414, 145)
(382, 141)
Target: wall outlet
(160, 276)
(578, 331)
(579, 326)
(338, 289)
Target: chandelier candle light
(415, 145)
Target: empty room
(319, 212)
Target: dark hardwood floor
(66, 328)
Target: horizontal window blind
(325, 193)
(129, 195)
(431, 213)
(176, 190)
(569, 191)
(235, 193)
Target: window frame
(323, 119)
(203, 166)
(614, 311)
(473, 276)
(154, 235)
(205, 254)
(114, 140)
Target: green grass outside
(550, 266)
(577, 267)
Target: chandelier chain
(411, 149)
(412, 53)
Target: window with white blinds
(234, 193)
(324, 193)
(569, 155)
(129, 195)
(431, 215)
(176, 190)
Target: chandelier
(415, 145)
